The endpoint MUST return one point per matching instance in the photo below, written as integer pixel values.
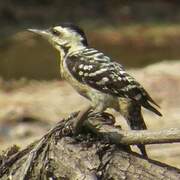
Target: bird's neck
(75, 49)
(70, 50)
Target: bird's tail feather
(151, 100)
(146, 103)
(148, 106)
(133, 116)
(142, 148)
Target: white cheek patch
(60, 29)
(68, 35)
(73, 36)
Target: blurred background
(143, 35)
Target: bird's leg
(81, 117)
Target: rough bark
(61, 155)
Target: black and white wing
(108, 77)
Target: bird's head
(66, 37)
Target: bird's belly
(101, 101)
(79, 87)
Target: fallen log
(96, 153)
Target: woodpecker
(97, 77)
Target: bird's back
(92, 68)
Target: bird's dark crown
(77, 29)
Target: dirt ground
(29, 108)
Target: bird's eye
(55, 32)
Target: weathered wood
(131, 137)
(61, 155)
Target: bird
(97, 77)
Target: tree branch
(131, 137)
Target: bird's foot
(106, 118)
(87, 113)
